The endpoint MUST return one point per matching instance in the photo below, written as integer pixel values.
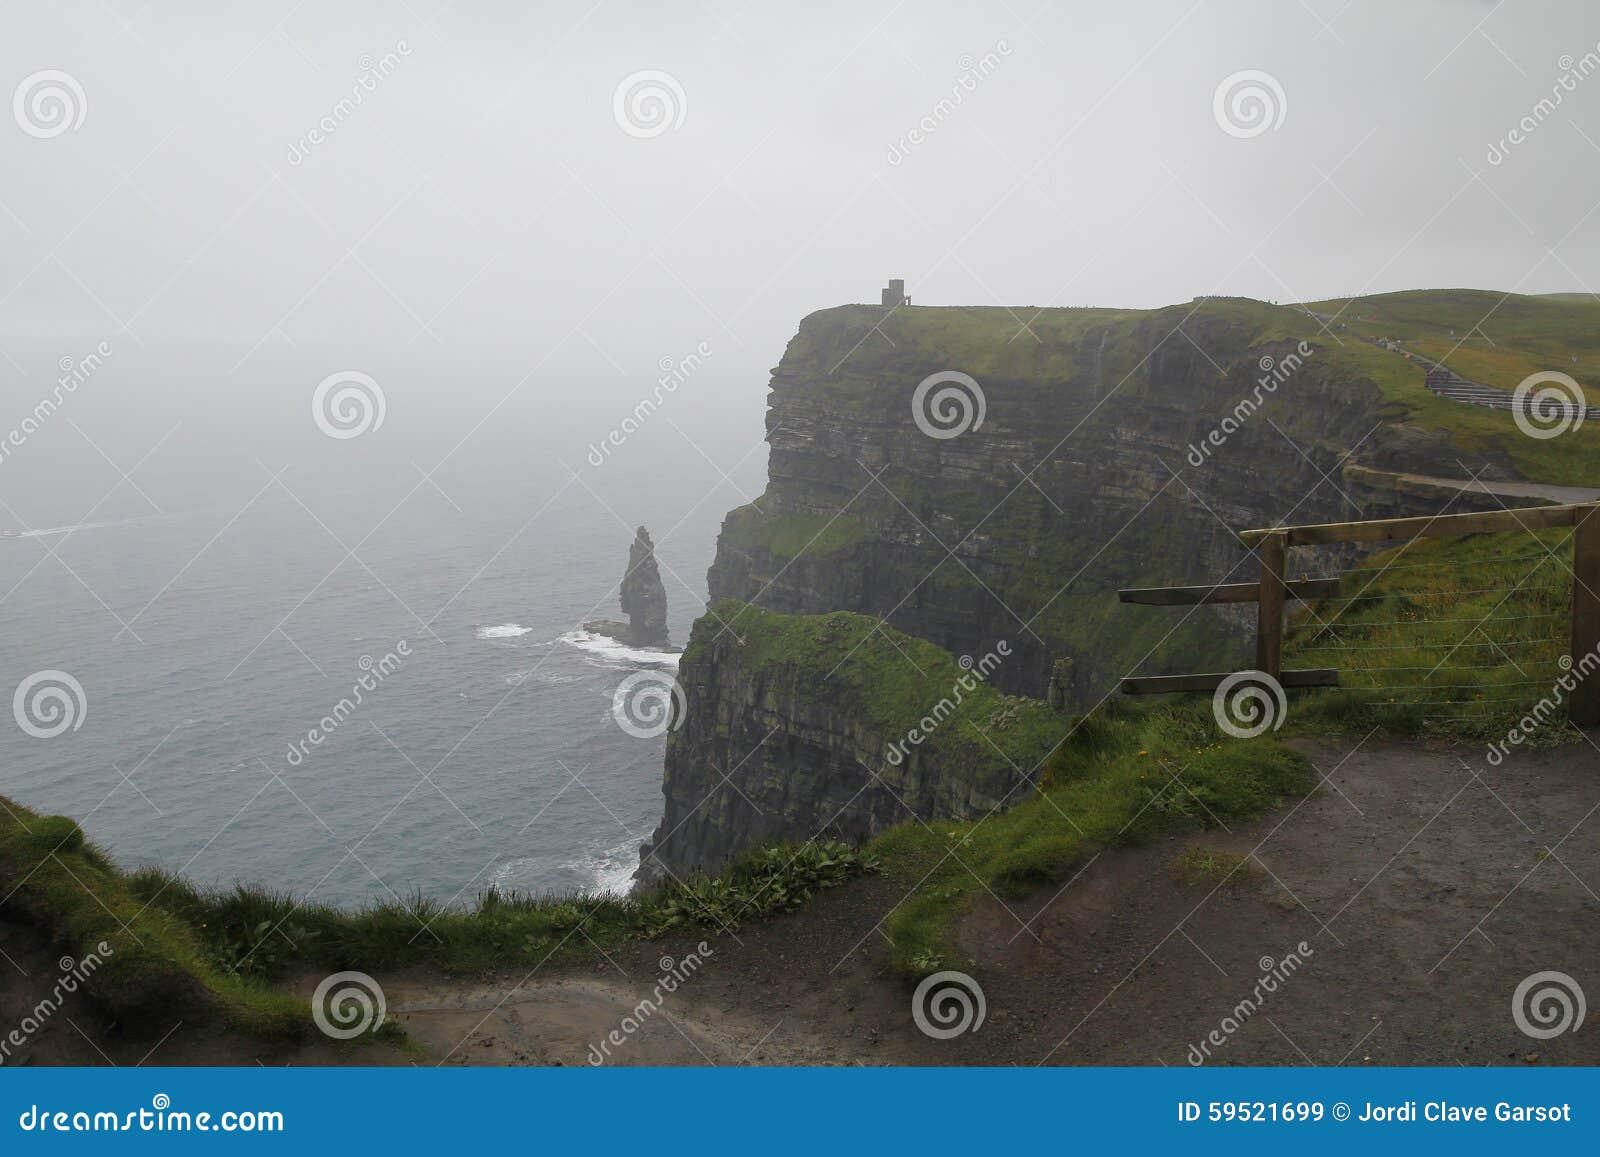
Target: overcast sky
(491, 196)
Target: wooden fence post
(1583, 707)
(1269, 625)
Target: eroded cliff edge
(799, 726)
(1097, 465)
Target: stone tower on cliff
(644, 598)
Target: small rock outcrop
(644, 599)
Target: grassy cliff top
(152, 966)
(851, 352)
(1488, 336)
(1040, 344)
(893, 679)
(1123, 774)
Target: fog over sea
(220, 598)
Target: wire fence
(1489, 632)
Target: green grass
(978, 339)
(1126, 775)
(174, 951)
(1451, 637)
(788, 535)
(270, 934)
(1122, 775)
(1202, 867)
(1516, 335)
(155, 968)
(1497, 338)
(891, 683)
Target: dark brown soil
(1423, 896)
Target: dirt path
(1423, 896)
(1560, 494)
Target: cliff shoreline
(1073, 475)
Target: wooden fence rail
(1272, 591)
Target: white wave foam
(51, 531)
(610, 870)
(553, 678)
(618, 654)
(502, 631)
(516, 876)
(599, 871)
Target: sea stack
(644, 600)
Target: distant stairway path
(1444, 382)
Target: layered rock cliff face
(799, 727)
(1093, 468)
(1115, 448)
